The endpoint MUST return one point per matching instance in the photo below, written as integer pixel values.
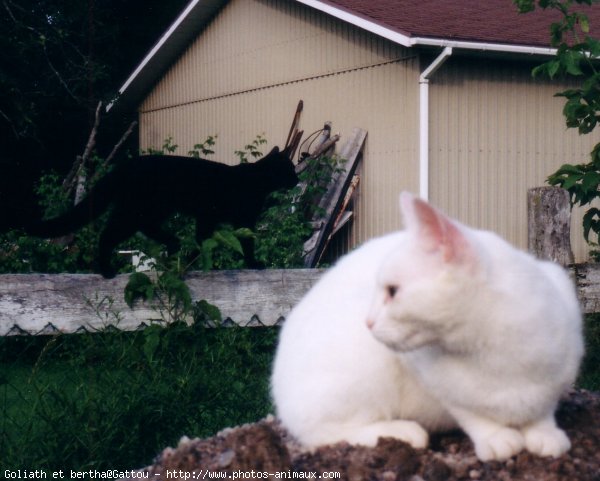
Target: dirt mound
(264, 450)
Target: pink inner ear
(438, 233)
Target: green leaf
(151, 341)
(569, 169)
(571, 181)
(571, 60)
(139, 286)
(552, 68)
(590, 223)
(208, 311)
(176, 289)
(227, 238)
(525, 6)
(244, 233)
(593, 46)
(208, 246)
(584, 23)
(590, 181)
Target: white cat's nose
(370, 322)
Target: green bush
(279, 237)
(115, 399)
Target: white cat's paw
(408, 431)
(546, 441)
(500, 445)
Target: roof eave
(359, 21)
(170, 45)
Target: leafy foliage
(285, 225)
(576, 58)
(204, 149)
(251, 149)
(21, 253)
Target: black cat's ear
(274, 150)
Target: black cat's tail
(94, 204)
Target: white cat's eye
(391, 290)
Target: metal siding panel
(300, 54)
(495, 132)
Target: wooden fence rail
(50, 303)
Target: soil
(255, 451)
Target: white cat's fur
(426, 329)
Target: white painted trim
(160, 43)
(361, 22)
(483, 46)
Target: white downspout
(424, 121)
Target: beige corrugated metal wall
(251, 65)
(495, 132)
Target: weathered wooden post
(549, 224)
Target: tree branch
(120, 142)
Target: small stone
(453, 448)
(437, 470)
(474, 474)
(389, 476)
(225, 458)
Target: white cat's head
(426, 285)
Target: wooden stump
(549, 224)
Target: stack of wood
(332, 211)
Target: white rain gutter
(424, 121)
(482, 46)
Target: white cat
(426, 329)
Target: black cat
(144, 191)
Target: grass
(113, 400)
(589, 377)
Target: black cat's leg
(117, 230)
(248, 248)
(203, 232)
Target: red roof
(493, 21)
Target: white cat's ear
(436, 231)
(406, 207)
